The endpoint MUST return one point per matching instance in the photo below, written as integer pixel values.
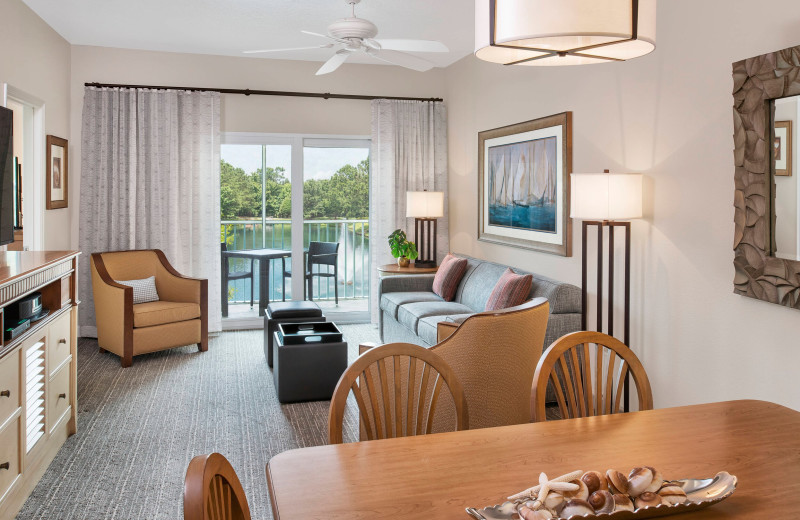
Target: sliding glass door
(336, 211)
(271, 185)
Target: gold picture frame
(782, 148)
(524, 185)
(57, 173)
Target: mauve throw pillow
(450, 272)
(512, 289)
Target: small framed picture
(57, 172)
(782, 151)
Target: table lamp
(425, 207)
(606, 200)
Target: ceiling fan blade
(400, 58)
(413, 45)
(333, 63)
(326, 46)
(340, 40)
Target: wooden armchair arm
(113, 306)
(445, 329)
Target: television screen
(7, 173)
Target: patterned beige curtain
(409, 153)
(150, 179)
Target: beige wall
(36, 60)
(252, 113)
(667, 115)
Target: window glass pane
(255, 210)
(336, 209)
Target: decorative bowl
(700, 493)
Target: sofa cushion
(477, 288)
(410, 313)
(512, 289)
(447, 278)
(392, 301)
(161, 312)
(427, 329)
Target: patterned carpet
(138, 428)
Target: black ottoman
(309, 360)
(287, 312)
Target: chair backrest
(397, 388)
(223, 246)
(212, 490)
(494, 355)
(330, 249)
(588, 381)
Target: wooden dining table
(438, 476)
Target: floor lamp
(425, 207)
(606, 200)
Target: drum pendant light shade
(563, 32)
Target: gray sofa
(410, 311)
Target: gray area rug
(138, 428)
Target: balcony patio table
(439, 475)
(263, 256)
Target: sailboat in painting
(522, 185)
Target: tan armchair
(178, 318)
(494, 356)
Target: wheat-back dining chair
(397, 388)
(588, 380)
(212, 490)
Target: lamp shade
(563, 32)
(606, 196)
(425, 204)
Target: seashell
(672, 495)
(582, 493)
(602, 501)
(638, 480)
(658, 480)
(594, 481)
(622, 503)
(527, 513)
(554, 501)
(617, 483)
(647, 499)
(576, 507)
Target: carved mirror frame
(756, 82)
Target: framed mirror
(766, 198)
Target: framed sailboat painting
(523, 189)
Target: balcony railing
(353, 238)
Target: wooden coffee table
(437, 476)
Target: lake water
(536, 218)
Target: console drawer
(58, 341)
(58, 396)
(9, 455)
(9, 385)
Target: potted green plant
(402, 249)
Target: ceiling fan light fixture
(565, 32)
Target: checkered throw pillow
(144, 290)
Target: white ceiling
(228, 27)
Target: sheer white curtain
(409, 153)
(150, 179)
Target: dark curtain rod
(248, 92)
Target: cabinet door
(9, 456)
(58, 345)
(10, 398)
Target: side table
(394, 269)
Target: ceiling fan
(353, 35)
